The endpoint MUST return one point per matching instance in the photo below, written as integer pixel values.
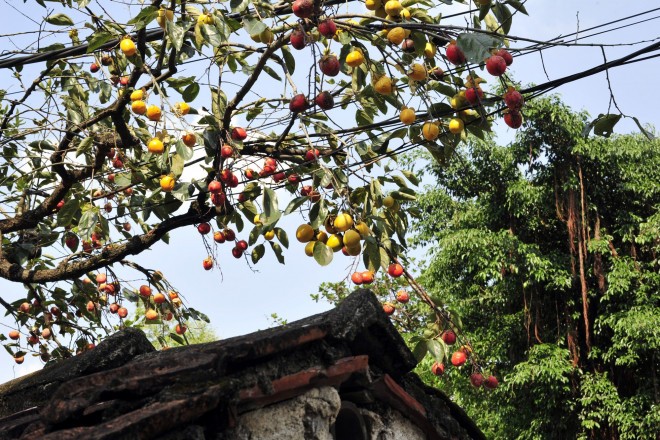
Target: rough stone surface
(390, 425)
(307, 417)
(37, 388)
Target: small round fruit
(230, 235)
(269, 235)
(449, 337)
(491, 382)
(458, 358)
(309, 248)
(407, 116)
(476, 379)
(154, 113)
(19, 359)
(357, 278)
(456, 126)
(389, 202)
(180, 329)
(207, 263)
(429, 50)
(156, 146)
(205, 19)
(388, 309)
(304, 233)
(122, 312)
(367, 277)
(128, 47)
(242, 245)
(238, 134)
(363, 229)
(438, 369)
(495, 65)
(354, 58)
(396, 35)
(189, 139)
(145, 291)
(219, 237)
(430, 131)
(454, 54)
(513, 119)
(513, 99)
(167, 183)
(151, 314)
(343, 222)
(327, 28)
(181, 108)
(417, 72)
(13, 335)
(372, 5)
(94, 67)
(508, 58)
(393, 8)
(383, 85)
(164, 15)
(395, 270)
(204, 228)
(137, 95)
(159, 298)
(351, 238)
(139, 107)
(474, 94)
(403, 296)
(335, 242)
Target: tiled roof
(125, 389)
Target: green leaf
(437, 349)
(412, 178)
(295, 204)
(191, 92)
(177, 165)
(85, 146)
(646, 133)
(68, 211)
(257, 252)
(144, 17)
(322, 253)
(176, 33)
(476, 47)
(517, 5)
(211, 34)
(271, 211)
(272, 73)
(278, 251)
(253, 26)
(183, 151)
(98, 39)
(503, 16)
(59, 20)
(603, 125)
(282, 237)
(239, 5)
(87, 223)
(289, 60)
(420, 350)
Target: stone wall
(312, 415)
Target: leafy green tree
(548, 249)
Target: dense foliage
(548, 249)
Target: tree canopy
(119, 127)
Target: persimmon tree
(297, 102)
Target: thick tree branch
(108, 256)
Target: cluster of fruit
(458, 359)
(341, 234)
